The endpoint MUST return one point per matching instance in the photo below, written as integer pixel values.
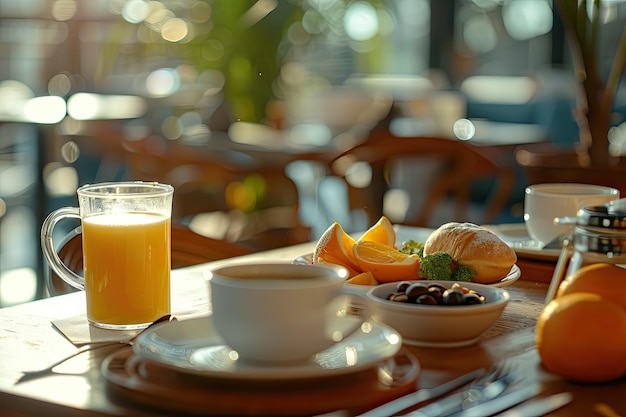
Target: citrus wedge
(364, 278)
(335, 247)
(381, 232)
(386, 263)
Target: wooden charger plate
(150, 385)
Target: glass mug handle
(49, 252)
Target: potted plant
(240, 39)
(594, 105)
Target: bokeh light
(200, 12)
(464, 129)
(361, 21)
(13, 95)
(45, 110)
(174, 30)
(70, 152)
(89, 106)
(17, 286)
(135, 11)
(239, 196)
(59, 85)
(163, 82)
(60, 180)
(313, 22)
(526, 19)
(64, 10)
(158, 14)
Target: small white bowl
(438, 325)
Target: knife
(501, 403)
(539, 406)
(402, 403)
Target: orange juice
(127, 267)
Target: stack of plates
(185, 367)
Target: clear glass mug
(126, 237)
(599, 236)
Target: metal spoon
(48, 370)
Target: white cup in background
(272, 313)
(545, 202)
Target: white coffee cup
(543, 203)
(280, 312)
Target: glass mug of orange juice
(126, 233)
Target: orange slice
(335, 247)
(381, 232)
(386, 264)
(364, 278)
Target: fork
(485, 387)
(28, 375)
(402, 403)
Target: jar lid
(610, 217)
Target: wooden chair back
(462, 165)
(207, 180)
(188, 248)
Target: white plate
(420, 234)
(514, 274)
(194, 347)
(516, 236)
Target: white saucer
(446, 345)
(516, 236)
(194, 347)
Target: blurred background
(244, 106)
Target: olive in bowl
(434, 314)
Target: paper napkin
(78, 331)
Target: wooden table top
(29, 341)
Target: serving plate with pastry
(455, 251)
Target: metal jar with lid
(599, 236)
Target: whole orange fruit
(582, 337)
(606, 280)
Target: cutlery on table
(539, 406)
(502, 402)
(48, 370)
(485, 388)
(425, 394)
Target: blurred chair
(198, 182)
(210, 178)
(188, 248)
(459, 166)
